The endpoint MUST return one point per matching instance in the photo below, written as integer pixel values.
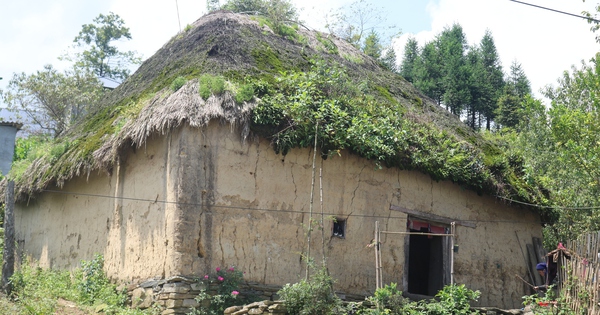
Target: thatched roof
(239, 47)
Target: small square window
(339, 228)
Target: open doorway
(427, 258)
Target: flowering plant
(221, 291)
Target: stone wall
(177, 295)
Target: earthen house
(194, 188)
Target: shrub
(178, 83)
(245, 93)
(453, 299)
(220, 291)
(211, 85)
(311, 297)
(37, 290)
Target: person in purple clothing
(549, 277)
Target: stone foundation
(177, 295)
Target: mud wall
(198, 199)
(251, 208)
(120, 216)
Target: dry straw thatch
(236, 47)
(166, 112)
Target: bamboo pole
(452, 232)
(312, 192)
(376, 255)
(379, 257)
(322, 213)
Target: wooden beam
(432, 217)
(8, 265)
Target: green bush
(220, 291)
(37, 290)
(245, 93)
(311, 297)
(178, 83)
(453, 299)
(211, 85)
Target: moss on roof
(297, 81)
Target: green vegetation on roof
(288, 88)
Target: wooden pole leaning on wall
(453, 233)
(379, 266)
(8, 264)
(376, 245)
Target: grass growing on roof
(377, 128)
(359, 107)
(211, 85)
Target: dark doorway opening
(425, 261)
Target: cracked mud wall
(239, 204)
(98, 215)
(255, 206)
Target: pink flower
(235, 292)
(221, 278)
(206, 277)
(231, 269)
(218, 269)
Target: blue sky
(35, 32)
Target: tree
(510, 111)
(354, 23)
(100, 55)
(409, 60)
(518, 81)
(562, 147)
(476, 86)
(455, 73)
(428, 72)
(493, 77)
(245, 6)
(212, 5)
(53, 100)
(371, 46)
(388, 60)
(279, 12)
(594, 21)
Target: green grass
(37, 291)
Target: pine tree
(372, 46)
(409, 60)
(518, 81)
(427, 72)
(388, 60)
(493, 77)
(455, 73)
(510, 109)
(476, 87)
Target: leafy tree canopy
(561, 146)
(362, 25)
(53, 100)
(100, 55)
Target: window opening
(339, 228)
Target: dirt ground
(69, 308)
